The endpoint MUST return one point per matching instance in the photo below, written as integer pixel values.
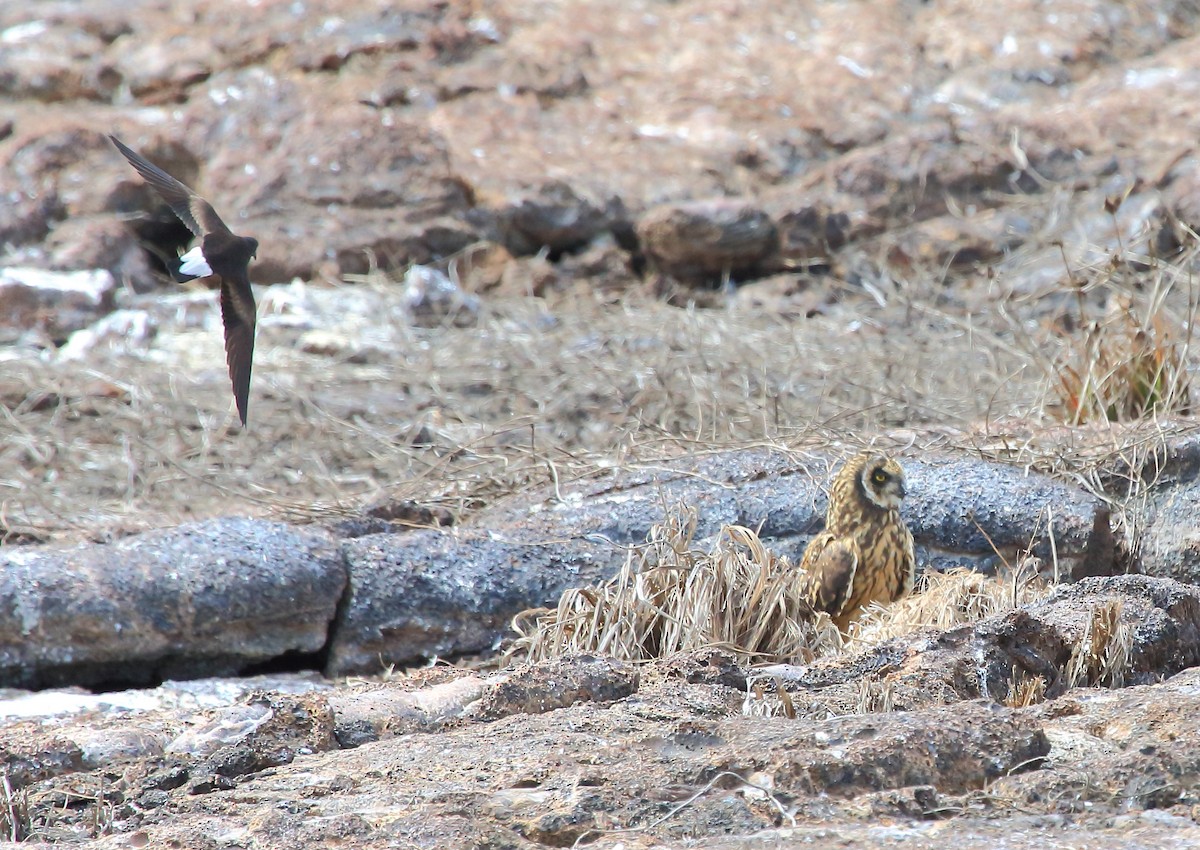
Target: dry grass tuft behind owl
(865, 554)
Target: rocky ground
(531, 275)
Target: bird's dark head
(881, 480)
(252, 244)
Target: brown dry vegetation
(673, 596)
(539, 391)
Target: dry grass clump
(1121, 354)
(1025, 690)
(1102, 656)
(945, 600)
(1128, 365)
(671, 596)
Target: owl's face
(882, 482)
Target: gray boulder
(214, 597)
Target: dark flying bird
(221, 253)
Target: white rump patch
(195, 264)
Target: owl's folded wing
(829, 565)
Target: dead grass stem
(15, 825)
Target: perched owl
(865, 553)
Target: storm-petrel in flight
(221, 253)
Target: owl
(865, 554)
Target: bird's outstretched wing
(829, 565)
(238, 316)
(193, 211)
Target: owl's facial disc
(883, 483)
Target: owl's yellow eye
(879, 477)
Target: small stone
(120, 330)
(556, 216)
(229, 726)
(101, 242)
(327, 343)
(103, 746)
(432, 298)
(707, 241)
(208, 783)
(153, 799)
(169, 778)
(384, 712)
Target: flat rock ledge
(575, 750)
(228, 596)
